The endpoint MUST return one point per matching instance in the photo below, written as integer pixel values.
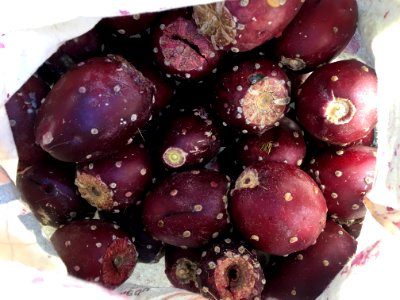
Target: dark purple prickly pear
(116, 181)
(47, 187)
(305, 274)
(277, 207)
(230, 270)
(188, 209)
(243, 25)
(191, 138)
(337, 103)
(283, 143)
(126, 26)
(94, 109)
(345, 176)
(252, 95)
(96, 251)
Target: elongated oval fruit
(337, 103)
(96, 251)
(243, 25)
(252, 95)
(317, 34)
(93, 110)
(278, 208)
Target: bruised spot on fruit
(295, 64)
(95, 191)
(247, 180)
(340, 111)
(185, 270)
(217, 23)
(174, 157)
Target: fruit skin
(252, 94)
(70, 123)
(344, 177)
(188, 209)
(319, 32)
(47, 187)
(181, 266)
(190, 138)
(337, 103)
(230, 270)
(244, 25)
(305, 274)
(116, 181)
(277, 208)
(21, 110)
(96, 251)
(126, 26)
(180, 51)
(283, 143)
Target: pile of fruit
(220, 136)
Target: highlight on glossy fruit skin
(283, 143)
(180, 50)
(243, 25)
(181, 266)
(319, 32)
(70, 123)
(337, 103)
(117, 181)
(96, 251)
(345, 176)
(252, 95)
(305, 274)
(230, 270)
(47, 187)
(21, 110)
(277, 208)
(188, 209)
(191, 137)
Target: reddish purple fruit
(21, 109)
(190, 138)
(338, 103)
(345, 176)
(354, 227)
(116, 181)
(188, 209)
(319, 32)
(47, 187)
(283, 143)
(252, 95)
(278, 208)
(181, 266)
(95, 250)
(93, 110)
(243, 25)
(180, 50)
(126, 26)
(305, 274)
(230, 270)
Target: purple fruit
(283, 143)
(337, 103)
(305, 274)
(230, 270)
(252, 95)
(319, 32)
(93, 110)
(243, 25)
(181, 266)
(116, 181)
(345, 176)
(354, 227)
(95, 250)
(180, 50)
(190, 138)
(47, 187)
(278, 208)
(21, 109)
(188, 209)
(126, 26)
